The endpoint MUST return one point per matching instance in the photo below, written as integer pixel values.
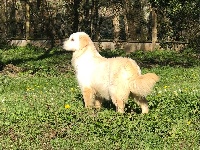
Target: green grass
(35, 89)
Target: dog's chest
(84, 67)
(93, 72)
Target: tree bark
(116, 25)
(154, 28)
(95, 21)
(27, 20)
(76, 15)
(126, 9)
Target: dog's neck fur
(89, 50)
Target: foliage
(41, 104)
(177, 20)
(176, 17)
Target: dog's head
(77, 41)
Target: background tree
(27, 19)
(178, 20)
(154, 25)
(161, 21)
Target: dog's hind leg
(98, 102)
(88, 96)
(142, 102)
(119, 95)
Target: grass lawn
(41, 106)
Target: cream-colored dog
(107, 78)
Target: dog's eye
(72, 39)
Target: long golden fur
(107, 78)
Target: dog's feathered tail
(143, 84)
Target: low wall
(38, 43)
(128, 47)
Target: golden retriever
(107, 78)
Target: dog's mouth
(67, 49)
(63, 47)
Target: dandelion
(67, 106)
(166, 86)
(189, 122)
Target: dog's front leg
(88, 96)
(119, 105)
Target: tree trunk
(146, 6)
(154, 28)
(27, 20)
(76, 15)
(116, 25)
(5, 27)
(13, 19)
(95, 21)
(126, 20)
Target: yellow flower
(189, 122)
(67, 106)
(166, 86)
(72, 89)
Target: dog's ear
(84, 41)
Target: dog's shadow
(128, 108)
(110, 106)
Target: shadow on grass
(108, 104)
(128, 108)
(44, 55)
(32, 60)
(187, 58)
(1, 65)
